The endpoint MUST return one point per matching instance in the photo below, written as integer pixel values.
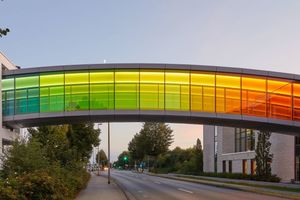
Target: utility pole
(98, 154)
(108, 154)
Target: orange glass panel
(254, 96)
(296, 89)
(228, 93)
(254, 103)
(279, 99)
(296, 108)
(279, 87)
(196, 98)
(256, 84)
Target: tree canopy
(263, 156)
(153, 139)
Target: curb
(224, 185)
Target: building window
(224, 166)
(244, 140)
(230, 166)
(216, 148)
(245, 167)
(253, 167)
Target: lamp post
(98, 154)
(108, 152)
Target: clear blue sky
(260, 34)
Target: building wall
(208, 148)
(5, 132)
(283, 149)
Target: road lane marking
(183, 190)
(157, 182)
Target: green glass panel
(77, 97)
(10, 107)
(27, 82)
(57, 103)
(127, 96)
(44, 104)
(10, 95)
(72, 78)
(33, 105)
(151, 96)
(21, 106)
(102, 96)
(51, 79)
(21, 94)
(44, 91)
(33, 92)
(102, 76)
(8, 84)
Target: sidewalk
(98, 188)
(255, 186)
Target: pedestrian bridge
(152, 92)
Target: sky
(257, 34)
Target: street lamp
(108, 154)
(98, 153)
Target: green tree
(263, 156)
(102, 156)
(24, 157)
(4, 31)
(54, 142)
(82, 138)
(152, 140)
(135, 148)
(124, 159)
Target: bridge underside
(259, 123)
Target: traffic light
(125, 158)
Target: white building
(6, 134)
(232, 150)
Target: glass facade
(244, 140)
(151, 89)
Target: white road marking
(157, 182)
(140, 191)
(183, 190)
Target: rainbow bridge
(152, 92)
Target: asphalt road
(141, 186)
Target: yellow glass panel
(200, 78)
(103, 76)
(76, 78)
(152, 76)
(51, 79)
(127, 76)
(256, 84)
(228, 81)
(176, 77)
